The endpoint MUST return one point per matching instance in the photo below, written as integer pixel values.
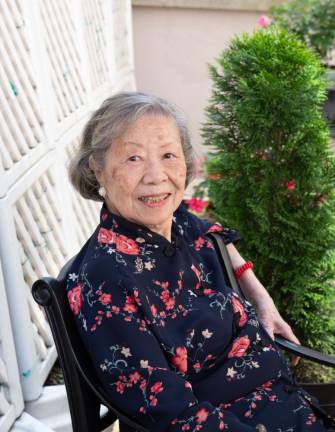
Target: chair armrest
(305, 352)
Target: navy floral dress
(173, 345)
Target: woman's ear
(94, 167)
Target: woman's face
(144, 173)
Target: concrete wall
(175, 40)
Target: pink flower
(215, 228)
(264, 21)
(180, 359)
(106, 236)
(119, 387)
(290, 185)
(130, 305)
(239, 347)
(105, 298)
(126, 245)
(75, 299)
(197, 273)
(153, 310)
(238, 308)
(196, 204)
(201, 415)
(157, 387)
(134, 377)
(169, 304)
(198, 243)
(153, 401)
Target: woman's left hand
(270, 318)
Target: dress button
(169, 250)
(261, 428)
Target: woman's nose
(154, 172)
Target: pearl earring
(102, 191)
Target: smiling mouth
(154, 199)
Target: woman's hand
(270, 318)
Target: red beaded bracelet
(240, 270)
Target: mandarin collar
(137, 232)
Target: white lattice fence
(33, 233)
(96, 38)
(11, 401)
(64, 57)
(58, 61)
(21, 125)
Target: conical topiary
(271, 174)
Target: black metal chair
(85, 393)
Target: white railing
(59, 60)
(11, 401)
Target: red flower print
(104, 216)
(169, 304)
(130, 305)
(238, 308)
(180, 359)
(165, 295)
(143, 384)
(126, 245)
(134, 377)
(201, 415)
(153, 310)
(153, 401)
(198, 243)
(75, 299)
(106, 236)
(157, 387)
(105, 298)
(197, 273)
(119, 387)
(215, 228)
(239, 347)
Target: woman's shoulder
(196, 226)
(185, 218)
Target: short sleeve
(228, 235)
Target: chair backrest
(84, 391)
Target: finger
(287, 332)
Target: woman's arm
(258, 296)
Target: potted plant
(313, 23)
(271, 176)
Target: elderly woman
(174, 347)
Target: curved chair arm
(307, 353)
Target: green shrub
(272, 173)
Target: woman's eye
(134, 158)
(169, 155)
